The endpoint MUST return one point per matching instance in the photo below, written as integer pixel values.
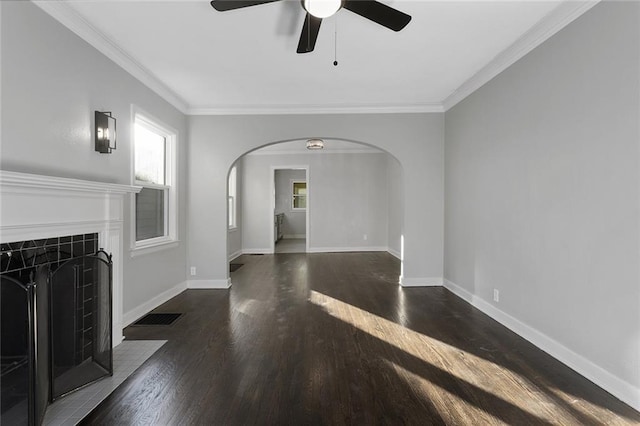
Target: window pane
(232, 212)
(299, 201)
(299, 188)
(231, 205)
(150, 213)
(149, 156)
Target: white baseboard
(233, 256)
(394, 253)
(621, 389)
(257, 251)
(137, 312)
(209, 284)
(421, 282)
(343, 249)
(294, 236)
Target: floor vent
(157, 319)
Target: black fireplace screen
(80, 323)
(25, 349)
(56, 323)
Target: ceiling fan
(318, 9)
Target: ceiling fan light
(322, 8)
(315, 144)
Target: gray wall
(295, 222)
(347, 199)
(52, 81)
(542, 192)
(416, 140)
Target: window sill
(154, 247)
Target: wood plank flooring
(330, 339)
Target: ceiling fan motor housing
(322, 8)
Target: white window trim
(297, 209)
(234, 197)
(170, 239)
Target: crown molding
(560, 17)
(71, 19)
(319, 109)
(553, 22)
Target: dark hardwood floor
(330, 339)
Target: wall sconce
(105, 133)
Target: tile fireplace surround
(35, 207)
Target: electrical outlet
(496, 295)
(193, 271)
(364, 237)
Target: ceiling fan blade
(224, 5)
(379, 13)
(309, 34)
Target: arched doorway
(355, 199)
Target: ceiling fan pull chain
(335, 44)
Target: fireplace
(56, 322)
(59, 221)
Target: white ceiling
(205, 61)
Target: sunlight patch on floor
(469, 368)
(471, 415)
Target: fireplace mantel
(35, 206)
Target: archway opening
(353, 199)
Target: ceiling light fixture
(322, 8)
(315, 144)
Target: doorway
(290, 201)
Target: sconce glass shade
(105, 132)
(315, 144)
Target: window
(155, 211)
(299, 198)
(231, 198)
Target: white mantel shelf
(25, 180)
(35, 206)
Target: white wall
(347, 199)
(295, 222)
(416, 140)
(52, 82)
(542, 196)
(395, 206)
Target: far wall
(295, 221)
(348, 200)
